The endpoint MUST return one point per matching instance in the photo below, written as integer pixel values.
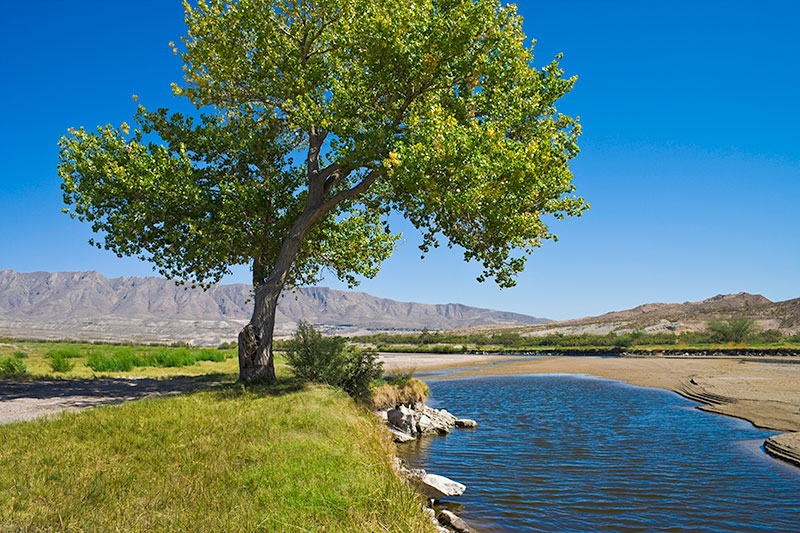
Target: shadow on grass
(285, 385)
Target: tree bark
(256, 362)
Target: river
(573, 453)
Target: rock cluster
(405, 422)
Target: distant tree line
(736, 330)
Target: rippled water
(570, 453)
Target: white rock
(466, 423)
(400, 436)
(438, 487)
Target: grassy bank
(262, 459)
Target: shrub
(66, 352)
(116, 361)
(210, 355)
(734, 329)
(20, 355)
(361, 370)
(11, 367)
(328, 360)
(771, 336)
(60, 363)
(314, 357)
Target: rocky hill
(687, 316)
(88, 305)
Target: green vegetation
(125, 359)
(85, 360)
(275, 459)
(735, 329)
(59, 363)
(65, 352)
(438, 342)
(330, 361)
(12, 367)
(314, 121)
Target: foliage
(20, 355)
(239, 460)
(329, 360)
(735, 329)
(125, 359)
(60, 363)
(65, 352)
(12, 367)
(430, 108)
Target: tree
(735, 329)
(315, 119)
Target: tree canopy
(317, 118)
(432, 108)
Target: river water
(573, 453)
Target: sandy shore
(766, 394)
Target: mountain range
(88, 305)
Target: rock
(438, 487)
(382, 415)
(440, 529)
(400, 436)
(430, 513)
(425, 425)
(430, 421)
(401, 421)
(466, 423)
(451, 520)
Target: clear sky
(690, 153)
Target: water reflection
(555, 453)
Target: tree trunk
(255, 340)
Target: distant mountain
(88, 305)
(687, 316)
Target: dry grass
(390, 395)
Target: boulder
(440, 420)
(438, 487)
(401, 421)
(451, 520)
(466, 423)
(400, 436)
(425, 425)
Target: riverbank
(281, 458)
(767, 395)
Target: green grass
(53, 359)
(262, 459)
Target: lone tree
(315, 119)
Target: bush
(735, 329)
(327, 360)
(60, 363)
(771, 336)
(119, 360)
(20, 355)
(66, 352)
(12, 367)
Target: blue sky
(690, 153)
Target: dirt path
(26, 400)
